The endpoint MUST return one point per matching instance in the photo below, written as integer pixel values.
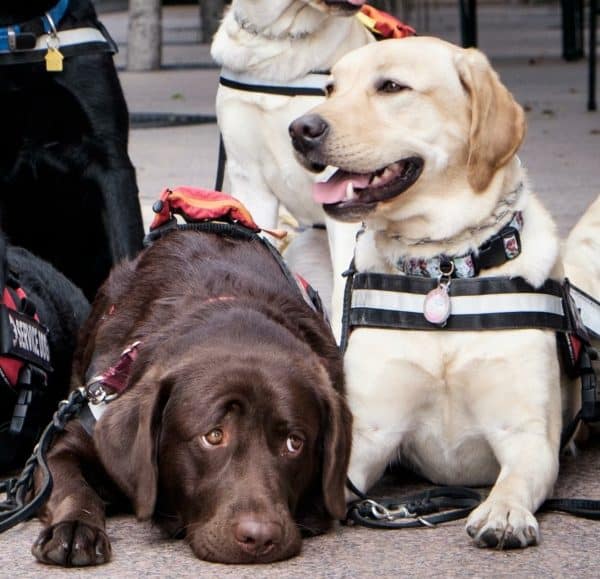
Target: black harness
(386, 301)
(24, 365)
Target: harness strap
(313, 84)
(588, 310)
(221, 162)
(491, 303)
(73, 42)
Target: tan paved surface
(562, 153)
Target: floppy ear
(337, 444)
(497, 120)
(126, 439)
(325, 500)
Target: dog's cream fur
(472, 408)
(278, 40)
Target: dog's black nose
(256, 535)
(308, 132)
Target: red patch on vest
(201, 205)
(386, 25)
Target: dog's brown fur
(228, 345)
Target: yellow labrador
(425, 138)
(280, 43)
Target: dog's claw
(72, 544)
(502, 527)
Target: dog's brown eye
(329, 89)
(214, 437)
(294, 444)
(391, 86)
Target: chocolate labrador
(232, 430)
(68, 190)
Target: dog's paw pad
(72, 544)
(503, 526)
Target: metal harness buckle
(96, 392)
(380, 512)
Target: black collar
(498, 249)
(23, 36)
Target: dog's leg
(74, 515)
(529, 469)
(525, 440)
(380, 417)
(372, 451)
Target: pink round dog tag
(437, 305)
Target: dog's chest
(440, 398)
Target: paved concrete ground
(562, 153)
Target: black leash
(426, 509)
(221, 161)
(16, 508)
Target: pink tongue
(334, 190)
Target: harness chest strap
(72, 42)
(312, 84)
(396, 301)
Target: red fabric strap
(117, 376)
(10, 368)
(386, 25)
(200, 205)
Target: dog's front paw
(503, 525)
(72, 544)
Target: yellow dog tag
(54, 60)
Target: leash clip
(96, 392)
(379, 512)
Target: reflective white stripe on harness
(70, 43)
(313, 83)
(71, 37)
(588, 310)
(460, 305)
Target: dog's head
(406, 121)
(240, 449)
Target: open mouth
(349, 5)
(354, 194)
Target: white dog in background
(281, 43)
(426, 145)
